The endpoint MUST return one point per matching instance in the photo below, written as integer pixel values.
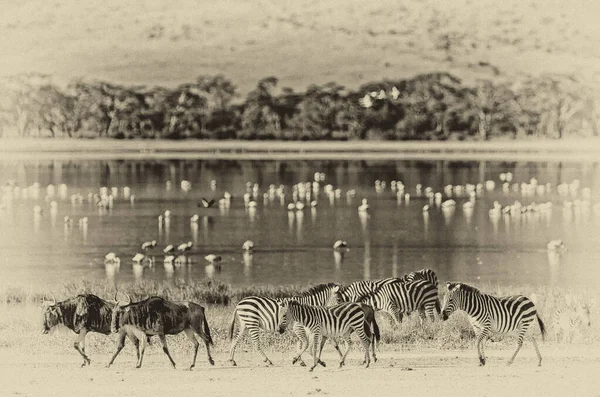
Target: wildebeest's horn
(116, 292)
(128, 298)
(53, 299)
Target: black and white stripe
(331, 322)
(493, 314)
(401, 298)
(566, 322)
(256, 312)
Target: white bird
(149, 245)
(169, 259)
(138, 257)
(291, 206)
(185, 246)
(111, 257)
(426, 208)
(169, 249)
(212, 258)
(366, 101)
(340, 244)
(364, 207)
(299, 205)
(248, 245)
(555, 245)
(194, 218)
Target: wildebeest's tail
(542, 326)
(232, 326)
(207, 331)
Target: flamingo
(212, 258)
(206, 203)
(340, 244)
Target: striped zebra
(331, 322)
(256, 312)
(566, 322)
(400, 298)
(488, 314)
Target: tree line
(434, 106)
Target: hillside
(303, 42)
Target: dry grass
(20, 319)
(350, 42)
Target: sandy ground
(566, 371)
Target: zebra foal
(256, 312)
(568, 321)
(332, 322)
(488, 314)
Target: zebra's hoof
(211, 361)
(295, 360)
(322, 363)
(233, 363)
(269, 363)
(481, 362)
(302, 364)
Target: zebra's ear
(452, 286)
(336, 288)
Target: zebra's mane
(317, 289)
(468, 288)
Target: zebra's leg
(316, 350)
(346, 340)
(302, 345)
(537, 351)
(255, 340)
(480, 338)
(519, 344)
(238, 337)
(163, 340)
(81, 341)
(190, 334)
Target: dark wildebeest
(82, 314)
(157, 316)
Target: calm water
(41, 251)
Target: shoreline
(531, 149)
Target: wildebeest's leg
(190, 334)
(236, 340)
(142, 350)
(136, 343)
(81, 340)
(121, 345)
(255, 339)
(163, 340)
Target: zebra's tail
(232, 326)
(542, 326)
(376, 330)
(438, 306)
(367, 329)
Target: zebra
(334, 322)
(400, 298)
(423, 274)
(567, 321)
(488, 313)
(255, 312)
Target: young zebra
(488, 314)
(400, 298)
(566, 322)
(255, 312)
(333, 322)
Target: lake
(39, 251)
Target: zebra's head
(451, 300)
(282, 317)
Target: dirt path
(565, 372)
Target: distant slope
(301, 42)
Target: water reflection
(395, 230)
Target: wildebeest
(82, 314)
(157, 316)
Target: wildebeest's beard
(116, 319)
